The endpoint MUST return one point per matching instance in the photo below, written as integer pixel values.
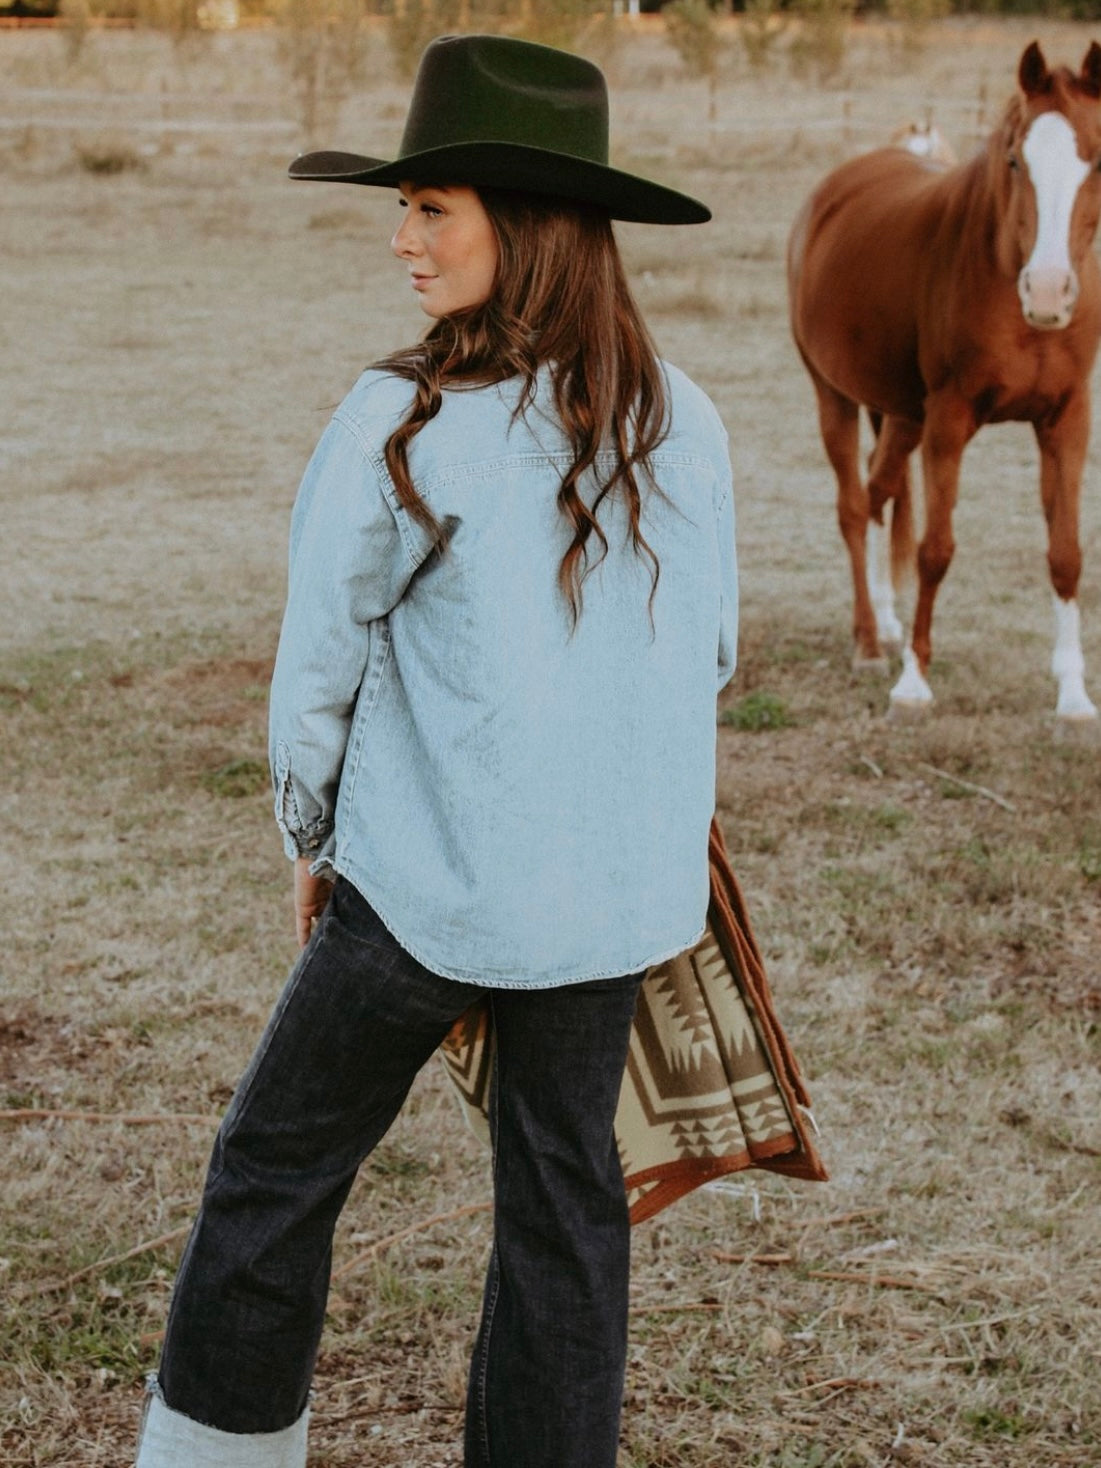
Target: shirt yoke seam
(377, 463)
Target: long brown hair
(560, 297)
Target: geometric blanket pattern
(711, 1085)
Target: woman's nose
(403, 243)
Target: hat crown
(495, 89)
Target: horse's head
(1048, 161)
(925, 140)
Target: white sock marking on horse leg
(1068, 665)
(911, 687)
(888, 627)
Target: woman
(512, 601)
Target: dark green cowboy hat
(493, 112)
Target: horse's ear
(1091, 71)
(1033, 73)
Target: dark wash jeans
(356, 1021)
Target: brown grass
(934, 949)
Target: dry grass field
(177, 322)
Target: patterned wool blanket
(711, 1084)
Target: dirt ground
(178, 321)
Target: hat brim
(514, 166)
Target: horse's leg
(1062, 457)
(839, 421)
(949, 424)
(889, 482)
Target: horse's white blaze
(911, 687)
(888, 627)
(1048, 284)
(1068, 665)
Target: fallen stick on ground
(36, 1113)
(882, 1281)
(967, 785)
(830, 1220)
(725, 1258)
(404, 1233)
(143, 1248)
(835, 1383)
(675, 1309)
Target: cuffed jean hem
(171, 1440)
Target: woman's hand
(311, 896)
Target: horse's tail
(903, 545)
(898, 514)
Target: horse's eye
(1013, 162)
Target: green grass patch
(237, 779)
(757, 712)
(988, 1424)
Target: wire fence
(160, 113)
(845, 114)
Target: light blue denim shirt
(524, 803)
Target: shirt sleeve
(349, 566)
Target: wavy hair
(560, 298)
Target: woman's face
(447, 241)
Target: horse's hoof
(878, 665)
(908, 710)
(1075, 707)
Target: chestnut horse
(941, 300)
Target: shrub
(692, 30)
(763, 23)
(323, 45)
(107, 156)
(820, 43)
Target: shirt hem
(486, 980)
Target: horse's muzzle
(1048, 295)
